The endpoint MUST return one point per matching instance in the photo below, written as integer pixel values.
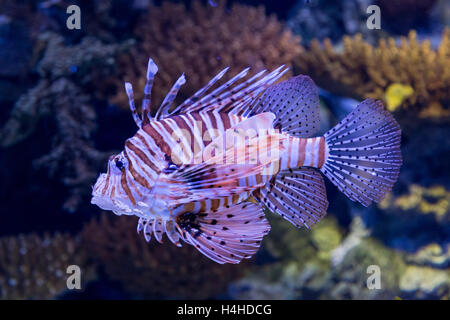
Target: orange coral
(361, 70)
(155, 270)
(200, 42)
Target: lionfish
(182, 176)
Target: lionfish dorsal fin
(145, 117)
(163, 110)
(232, 96)
(295, 103)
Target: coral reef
(425, 283)
(59, 92)
(433, 255)
(153, 270)
(200, 44)
(434, 200)
(362, 71)
(34, 267)
(60, 96)
(322, 19)
(338, 269)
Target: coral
(34, 267)
(433, 255)
(361, 71)
(200, 42)
(153, 270)
(320, 19)
(348, 279)
(395, 94)
(434, 200)
(60, 95)
(300, 262)
(425, 283)
(338, 269)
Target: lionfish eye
(119, 165)
(120, 162)
(171, 167)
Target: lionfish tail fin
(363, 155)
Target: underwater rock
(425, 283)
(433, 201)
(433, 255)
(298, 264)
(34, 267)
(61, 98)
(86, 62)
(357, 233)
(337, 270)
(348, 280)
(154, 270)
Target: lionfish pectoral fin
(298, 195)
(205, 181)
(295, 103)
(226, 236)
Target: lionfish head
(108, 192)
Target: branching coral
(34, 267)
(200, 42)
(361, 71)
(155, 270)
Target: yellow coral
(362, 71)
(434, 200)
(396, 93)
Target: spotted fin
(226, 236)
(295, 103)
(298, 195)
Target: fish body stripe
(302, 152)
